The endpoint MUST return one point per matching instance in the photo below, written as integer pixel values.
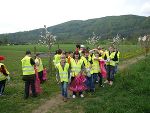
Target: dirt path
(53, 103)
(126, 63)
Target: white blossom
(93, 40)
(48, 40)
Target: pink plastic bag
(38, 88)
(78, 84)
(44, 74)
(102, 68)
(37, 84)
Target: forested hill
(130, 26)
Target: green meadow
(129, 93)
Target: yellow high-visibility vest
(111, 62)
(95, 65)
(40, 67)
(27, 68)
(63, 73)
(76, 67)
(56, 59)
(118, 56)
(2, 76)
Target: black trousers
(110, 72)
(40, 74)
(29, 83)
(2, 86)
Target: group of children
(80, 70)
(77, 71)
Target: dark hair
(37, 54)
(59, 51)
(86, 51)
(28, 52)
(78, 46)
(76, 53)
(70, 52)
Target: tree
(93, 40)
(145, 43)
(48, 40)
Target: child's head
(111, 49)
(96, 54)
(63, 58)
(86, 53)
(76, 55)
(59, 51)
(2, 58)
(70, 53)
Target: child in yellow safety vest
(96, 68)
(4, 75)
(39, 66)
(88, 71)
(63, 76)
(76, 69)
(110, 66)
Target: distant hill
(130, 26)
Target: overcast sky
(23, 15)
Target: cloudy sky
(23, 15)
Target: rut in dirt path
(56, 101)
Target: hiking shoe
(106, 81)
(65, 99)
(96, 81)
(82, 96)
(101, 85)
(110, 83)
(73, 96)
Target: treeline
(127, 26)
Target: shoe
(34, 95)
(106, 81)
(73, 96)
(101, 85)
(82, 96)
(110, 83)
(65, 99)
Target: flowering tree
(145, 43)
(48, 40)
(116, 41)
(93, 40)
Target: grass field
(14, 102)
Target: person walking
(63, 74)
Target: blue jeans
(90, 83)
(110, 72)
(116, 69)
(96, 75)
(64, 87)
